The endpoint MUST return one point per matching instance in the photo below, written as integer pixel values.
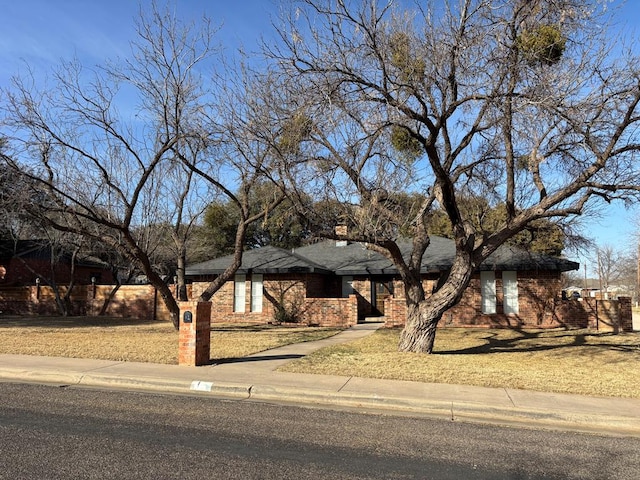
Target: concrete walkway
(255, 378)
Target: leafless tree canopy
(520, 103)
(368, 113)
(129, 154)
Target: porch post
(194, 340)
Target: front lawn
(567, 361)
(138, 341)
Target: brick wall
(331, 312)
(540, 306)
(15, 299)
(614, 315)
(626, 314)
(194, 339)
(362, 289)
(291, 291)
(299, 294)
(135, 301)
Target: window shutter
(510, 291)
(256, 292)
(488, 292)
(239, 293)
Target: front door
(381, 290)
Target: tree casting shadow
(493, 344)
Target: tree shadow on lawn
(254, 358)
(241, 327)
(526, 342)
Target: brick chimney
(341, 230)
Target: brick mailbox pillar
(195, 333)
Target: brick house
(339, 284)
(24, 261)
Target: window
(239, 293)
(256, 293)
(347, 286)
(488, 292)
(510, 292)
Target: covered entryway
(381, 289)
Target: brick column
(626, 314)
(195, 333)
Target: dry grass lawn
(567, 361)
(135, 341)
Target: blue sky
(40, 33)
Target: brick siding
(135, 301)
(540, 306)
(540, 303)
(301, 296)
(194, 339)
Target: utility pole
(600, 275)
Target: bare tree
(516, 102)
(247, 158)
(606, 262)
(617, 267)
(132, 146)
(627, 263)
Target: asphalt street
(71, 432)
(257, 378)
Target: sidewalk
(255, 378)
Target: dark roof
(350, 259)
(20, 248)
(261, 260)
(355, 259)
(507, 257)
(41, 249)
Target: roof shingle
(355, 259)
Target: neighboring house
(22, 262)
(341, 283)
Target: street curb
(169, 386)
(455, 411)
(581, 422)
(355, 400)
(449, 410)
(43, 376)
(153, 384)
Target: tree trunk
(181, 292)
(231, 270)
(419, 334)
(167, 296)
(107, 301)
(424, 313)
(170, 302)
(60, 304)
